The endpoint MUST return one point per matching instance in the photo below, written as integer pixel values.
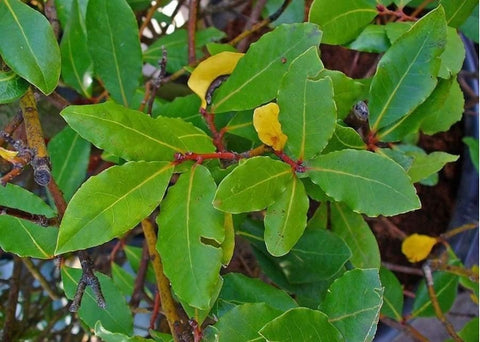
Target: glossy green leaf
(30, 48)
(443, 114)
(353, 304)
(472, 144)
(188, 221)
(12, 86)
(242, 323)
(77, 65)
(396, 29)
(241, 125)
(138, 5)
(239, 289)
(132, 135)
(263, 65)
(176, 45)
(406, 73)
(115, 47)
(108, 336)
(301, 99)
(185, 107)
(160, 337)
(453, 56)
(123, 280)
(392, 296)
(301, 324)
(445, 285)
(368, 183)
(372, 39)
(115, 317)
(426, 164)
(111, 203)
(456, 12)
(69, 156)
(37, 241)
(294, 13)
(318, 255)
(356, 233)
(440, 110)
(286, 219)
(228, 244)
(343, 138)
(63, 8)
(253, 185)
(341, 21)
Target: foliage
(265, 153)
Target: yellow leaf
(265, 121)
(7, 154)
(210, 69)
(417, 247)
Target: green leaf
(239, 289)
(440, 110)
(406, 73)
(472, 144)
(372, 39)
(115, 47)
(456, 12)
(285, 220)
(177, 47)
(241, 125)
(353, 304)
(301, 99)
(318, 255)
(253, 185)
(263, 65)
(344, 138)
(342, 21)
(242, 323)
(69, 155)
(123, 280)
(188, 221)
(347, 92)
(14, 196)
(425, 165)
(30, 48)
(453, 55)
(185, 107)
(132, 135)
(470, 26)
(392, 296)
(368, 183)
(77, 65)
(12, 87)
(301, 324)
(294, 13)
(134, 256)
(228, 244)
(109, 336)
(116, 316)
(396, 29)
(37, 241)
(443, 114)
(356, 233)
(445, 285)
(111, 203)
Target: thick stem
(436, 305)
(163, 284)
(10, 321)
(35, 139)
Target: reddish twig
(155, 311)
(11, 308)
(398, 13)
(192, 25)
(140, 280)
(297, 166)
(41, 220)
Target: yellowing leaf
(417, 247)
(7, 154)
(265, 121)
(210, 69)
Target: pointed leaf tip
(265, 121)
(209, 70)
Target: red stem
(297, 166)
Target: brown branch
(149, 17)
(402, 269)
(436, 305)
(458, 230)
(41, 220)
(14, 123)
(192, 25)
(10, 321)
(35, 139)
(406, 328)
(58, 198)
(51, 14)
(140, 280)
(254, 15)
(440, 265)
(177, 326)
